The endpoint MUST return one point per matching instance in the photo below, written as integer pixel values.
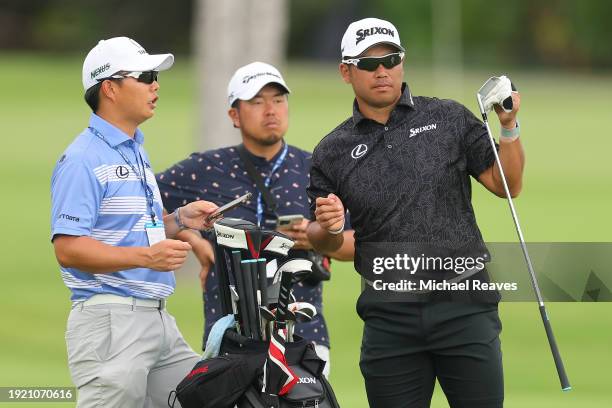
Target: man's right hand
(329, 212)
(168, 255)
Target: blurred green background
(566, 197)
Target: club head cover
(275, 243)
(231, 233)
(297, 265)
(304, 308)
(496, 91)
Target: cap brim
(157, 62)
(251, 92)
(398, 47)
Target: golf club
(267, 317)
(263, 281)
(290, 318)
(257, 296)
(250, 298)
(224, 282)
(303, 309)
(284, 290)
(235, 310)
(238, 275)
(302, 312)
(565, 385)
(299, 269)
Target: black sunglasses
(371, 63)
(146, 77)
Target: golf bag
(260, 362)
(217, 382)
(234, 377)
(312, 388)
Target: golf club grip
(250, 302)
(236, 260)
(263, 281)
(565, 384)
(257, 299)
(222, 273)
(284, 292)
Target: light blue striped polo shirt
(95, 193)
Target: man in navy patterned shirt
(258, 101)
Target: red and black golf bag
(260, 363)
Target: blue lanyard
(275, 167)
(141, 176)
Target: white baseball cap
(361, 35)
(120, 54)
(249, 79)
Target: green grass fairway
(567, 196)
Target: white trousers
(124, 356)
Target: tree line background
(567, 34)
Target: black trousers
(407, 346)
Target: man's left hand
(508, 119)
(297, 232)
(193, 215)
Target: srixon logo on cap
(362, 34)
(99, 70)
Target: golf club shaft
(235, 308)
(565, 384)
(290, 326)
(519, 231)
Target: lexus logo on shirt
(122, 172)
(358, 151)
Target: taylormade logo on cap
(249, 79)
(120, 54)
(363, 34)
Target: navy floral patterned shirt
(219, 176)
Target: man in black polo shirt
(259, 108)
(401, 166)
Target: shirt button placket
(389, 145)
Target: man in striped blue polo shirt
(109, 234)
